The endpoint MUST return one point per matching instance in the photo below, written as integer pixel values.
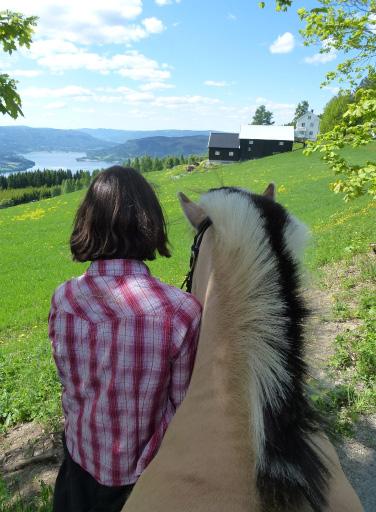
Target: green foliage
(334, 111)
(301, 108)
(40, 503)
(16, 30)
(280, 5)
(353, 364)
(10, 101)
(262, 116)
(349, 27)
(356, 129)
(346, 26)
(13, 197)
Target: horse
(246, 437)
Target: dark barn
(257, 141)
(224, 146)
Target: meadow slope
(35, 257)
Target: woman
(123, 342)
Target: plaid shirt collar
(117, 267)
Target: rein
(195, 249)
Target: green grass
(35, 257)
(352, 367)
(13, 503)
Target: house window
(281, 143)
(230, 153)
(249, 149)
(251, 142)
(217, 153)
(303, 124)
(311, 125)
(309, 117)
(311, 133)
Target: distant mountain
(23, 139)
(121, 136)
(154, 147)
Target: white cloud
(327, 54)
(28, 73)
(321, 58)
(334, 90)
(181, 101)
(57, 105)
(154, 86)
(103, 22)
(60, 56)
(153, 25)
(46, 92)
(214, 83)
(161, 3)
(231, 17)
(283, 44)
(283, 112)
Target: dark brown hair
(120, 217)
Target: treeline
(14, 196)
(47, 178)
(150, 164)
(24, 187)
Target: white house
(307, 126)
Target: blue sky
(160, 64)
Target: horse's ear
(194, 213)
(270, 191)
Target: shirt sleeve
(51, 319)
(187, 331)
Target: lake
(62, 160)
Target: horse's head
(234, 220)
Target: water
(62, 160)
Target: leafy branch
(16, 30)
(349, 27)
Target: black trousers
(77, 491)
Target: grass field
(35, 257)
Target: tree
(334, 111)
(300, 110)
(262, 116)
(347, 26)
(16, 30)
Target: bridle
(195, 249)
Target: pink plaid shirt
(124, 345)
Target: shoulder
(64, 293)
(179, 299)
(179, 302)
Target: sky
(163, 64)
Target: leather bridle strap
(204, 225)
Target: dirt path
(358, 454)
(28, 454)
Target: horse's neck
(206, 454)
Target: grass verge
(352, 367)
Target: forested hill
(122, 136)
(23, 139)
(154, 147)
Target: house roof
(309, 113)
(266, 132)
(224, 140)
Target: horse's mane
(257, 245)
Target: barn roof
(266, 132)
(224, 140)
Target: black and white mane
(257, 245)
